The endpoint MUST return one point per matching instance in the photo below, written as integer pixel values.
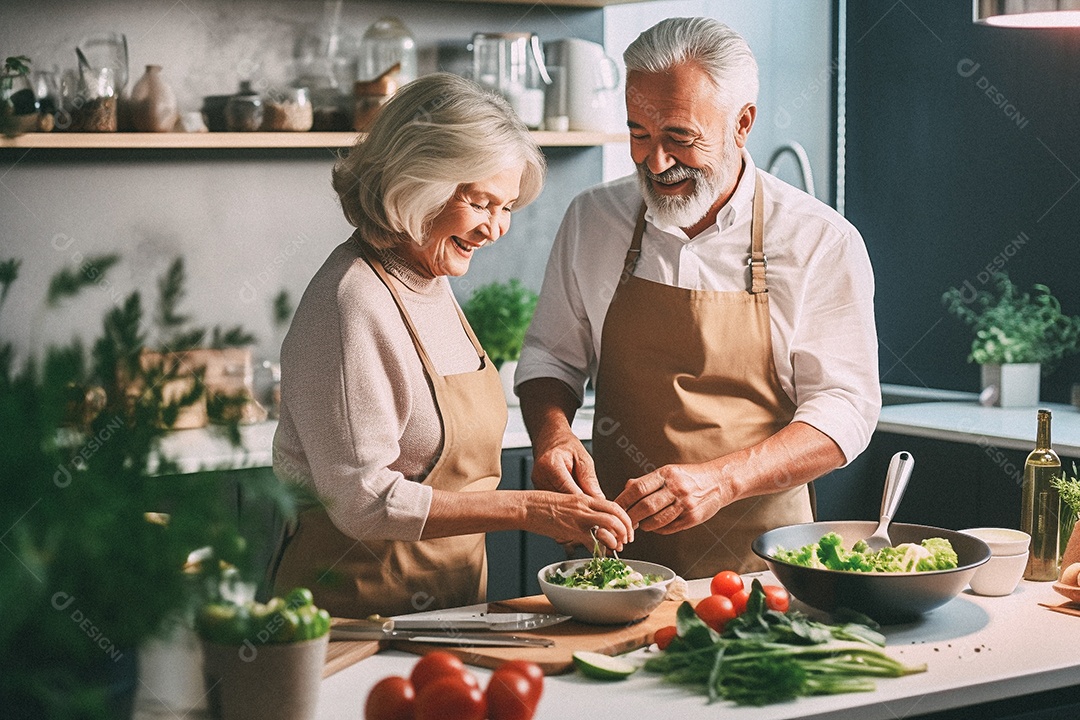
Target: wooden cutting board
(341, 654)
(569, 637)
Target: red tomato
(664, 636)
(509, 696)
(436, 665)
(715, 611)
(726, 583)
(532, 673)
(392, 698)
(776, 598)
(739, 600)
(450, 697)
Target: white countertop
(209, 449)
(969, 422)
(977, 649)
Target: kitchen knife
(374, 632)
(452, 620)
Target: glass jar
(18, 104)
(385, 43)
(244, 110)
(369, 97)
(93, 109)
(288, 109)
(512, 64)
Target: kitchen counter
(209, 449)
(969, 422)
(977, 650)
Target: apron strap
(757, 262)
(634, 253)
(377, 266)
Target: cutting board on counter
(341, 654)
(568, 636)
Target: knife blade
(370, 632)
(450, 620)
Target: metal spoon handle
(896, 480)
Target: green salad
(829, 553)
(602, 573)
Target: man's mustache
(675, 173)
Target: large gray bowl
(885, 597)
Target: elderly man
(725, 318)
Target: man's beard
(687, 210)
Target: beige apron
(356, 578)
(687, 376)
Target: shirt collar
(738, 205)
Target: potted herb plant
(94, 544)
(500, 313)
(1069, 529)
(1018, 337)
(18, 104)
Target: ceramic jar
(244, 110)
(152, 106)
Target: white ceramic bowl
(1000, 575)
(606, 607)
(1002, 541)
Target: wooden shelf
(251, 140)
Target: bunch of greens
(1015, 327)
(1069, 490)
(829, 553)
(94, 544)
(293, 618)
(499, 314)
(765, 656)
(602, 573)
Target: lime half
(602, 667)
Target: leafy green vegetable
(602, 573)
(765, 656)
(1069, 490)
(499, 314)
(829, 553)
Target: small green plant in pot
(499, 314)
(1017, 335)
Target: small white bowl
(1002, 541)
(999, 575)
(606, 607)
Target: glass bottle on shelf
(1040, 505)
(386, 42)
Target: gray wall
(251, 223)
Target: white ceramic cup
(1009, 554)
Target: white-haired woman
(390, 410)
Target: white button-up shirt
(821, 294)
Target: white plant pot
(1011, 385)
(506, 376)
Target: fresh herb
(829, 553)
(68, 282)
(764, 656)
(1069, 490)
(603, 573)
(499, 314)
(1015, 327)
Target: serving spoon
(896, 480)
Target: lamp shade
(1027, 13)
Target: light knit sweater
(358, 419)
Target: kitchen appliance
(512, 64)
(593, 100)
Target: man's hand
(566, 466)
(672, 498)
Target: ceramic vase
(1011, 385)
(152, 107)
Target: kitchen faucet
(801, 158)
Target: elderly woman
(390, 410)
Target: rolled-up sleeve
(834, 352)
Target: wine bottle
(1041, 505)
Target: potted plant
(1018, 336)
(18, 104)
(1069, 529)
(94, 544)
(500, 313)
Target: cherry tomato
(509, 696)
(664, 636)
(436, 665)
(715, 611)
(450, 697)
(776, 598)
(392, 698)
(739, 600)
(532, 673)
(726, 583)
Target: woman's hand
(570, 517)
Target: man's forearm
(548, 407)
